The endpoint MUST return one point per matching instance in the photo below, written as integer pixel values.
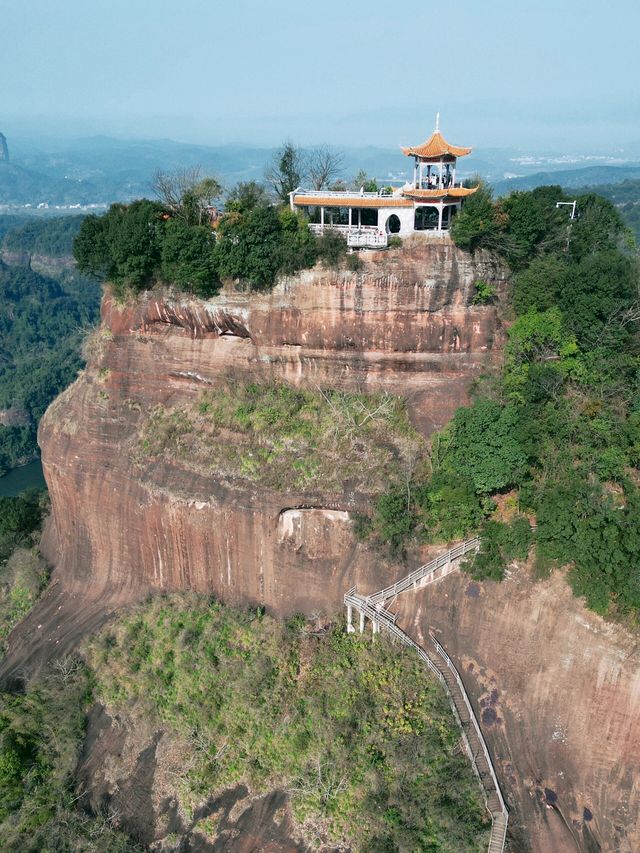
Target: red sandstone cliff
(404, 324)
(559, 686)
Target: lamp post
(571, 204)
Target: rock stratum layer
(556, 688)
(405, 324)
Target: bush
(346, 727)
(332, 248)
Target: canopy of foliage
(41, 327)
(138, 245)
(361, 736)
(559, 426)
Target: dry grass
(288, 439)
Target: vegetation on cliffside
(288, 438)
(359, 735)
(42, 322)
(556, 432)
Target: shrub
(332, 248)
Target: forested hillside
(626, 197)
(42, 323)
(549, 451)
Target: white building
(426, 205)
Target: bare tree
(187, 194)
(324, 166)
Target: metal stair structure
(438, 661)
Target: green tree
(249, 246)
(188, 258)
(484, 446)
(479, 223)
(286, 171)
(122, 246)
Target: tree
(248, 246)
(363, 181)
(485, 446)
(188, 258)
(187, 194)
(123, 246)
(324, 166)
(479, 224)
(286, 171)
(246, 196)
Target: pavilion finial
(437, 130)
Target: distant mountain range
(100, 170)
(569, 178)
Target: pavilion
(427, 205)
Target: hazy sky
(544, 74)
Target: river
(27, 477)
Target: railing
(372, 607)
(421, 573)
(445, 657)
(358, 236)
(383, 193)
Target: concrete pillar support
(350, 628)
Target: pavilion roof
(348, 199)
(435, 147)
(452, 192)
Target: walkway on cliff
(372, 607)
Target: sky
(546, 75)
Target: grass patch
(359, 734)
(289, 439)
(41, 733)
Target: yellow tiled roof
(436, 146)
(452, 192)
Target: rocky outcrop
(14, 416)
(4, 148)
(556, 688)
(557, 692)
(405, 324)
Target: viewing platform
(369, 219)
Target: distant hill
(570, 178)
(626, 197)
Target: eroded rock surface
(405, 324)
(557, 691)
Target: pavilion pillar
(322, 218)
(440, 209)
(415, 173)
(350, 215)
(362, 621)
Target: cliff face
(557, 691)
(556, 688)
(404, 324)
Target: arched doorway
(393, 224)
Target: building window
(426, 218)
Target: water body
(27, 477)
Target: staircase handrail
(422, 572)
